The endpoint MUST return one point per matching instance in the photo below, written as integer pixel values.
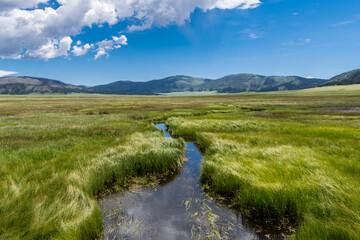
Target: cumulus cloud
(122, 40)
(100, 52)
(81, 50)
(52, 49)
(105, 46)
(12, 4)
(27, 31)
(6, 73)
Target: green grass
(303, 169)
(178, 94)
(52, 164)
(299, 159)
(333, 89)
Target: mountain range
(32, 85)
(229, 84)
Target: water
(178, 209)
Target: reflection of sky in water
(162, 213)
(162, 127)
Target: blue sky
(319, 38)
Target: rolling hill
(166, 85)
(258, 83)
(32, 85)
(348, 78)
(27, 85)
(235, 83)
(229, 84)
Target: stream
(178, 209)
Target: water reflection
(176, 210)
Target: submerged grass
(299, 159)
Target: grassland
(299, 160)
(54, 159)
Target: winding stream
(178, 209)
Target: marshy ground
(296, 164)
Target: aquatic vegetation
(205, 223)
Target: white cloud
(343, 23)
(122, 40)
(81, 50)
(253, 36)
(35, 33)
(299, 42)
(52, 49)
(12, 4)
(6, 73)
(100, 52)
(106, 45)
(352, 20)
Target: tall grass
(307, 173)
(56, 152)
(48, 187)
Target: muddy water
(178, 209)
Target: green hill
(348, 78)
(258, 83)
(166, 85)
(32, 85)
(27, 85)
(229, 84)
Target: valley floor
(285, 156)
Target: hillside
(229, 84)
(166, 85)
(348, 78)
(258, 83)
(235, 83)
(27, 85)
(32, 85)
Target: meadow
(287, 156)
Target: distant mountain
(348, 78)
(30, 85)
(34, 82)
(27, 85)
(258, 83)
(229, 84)
(166, 85)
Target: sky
(93, 42)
